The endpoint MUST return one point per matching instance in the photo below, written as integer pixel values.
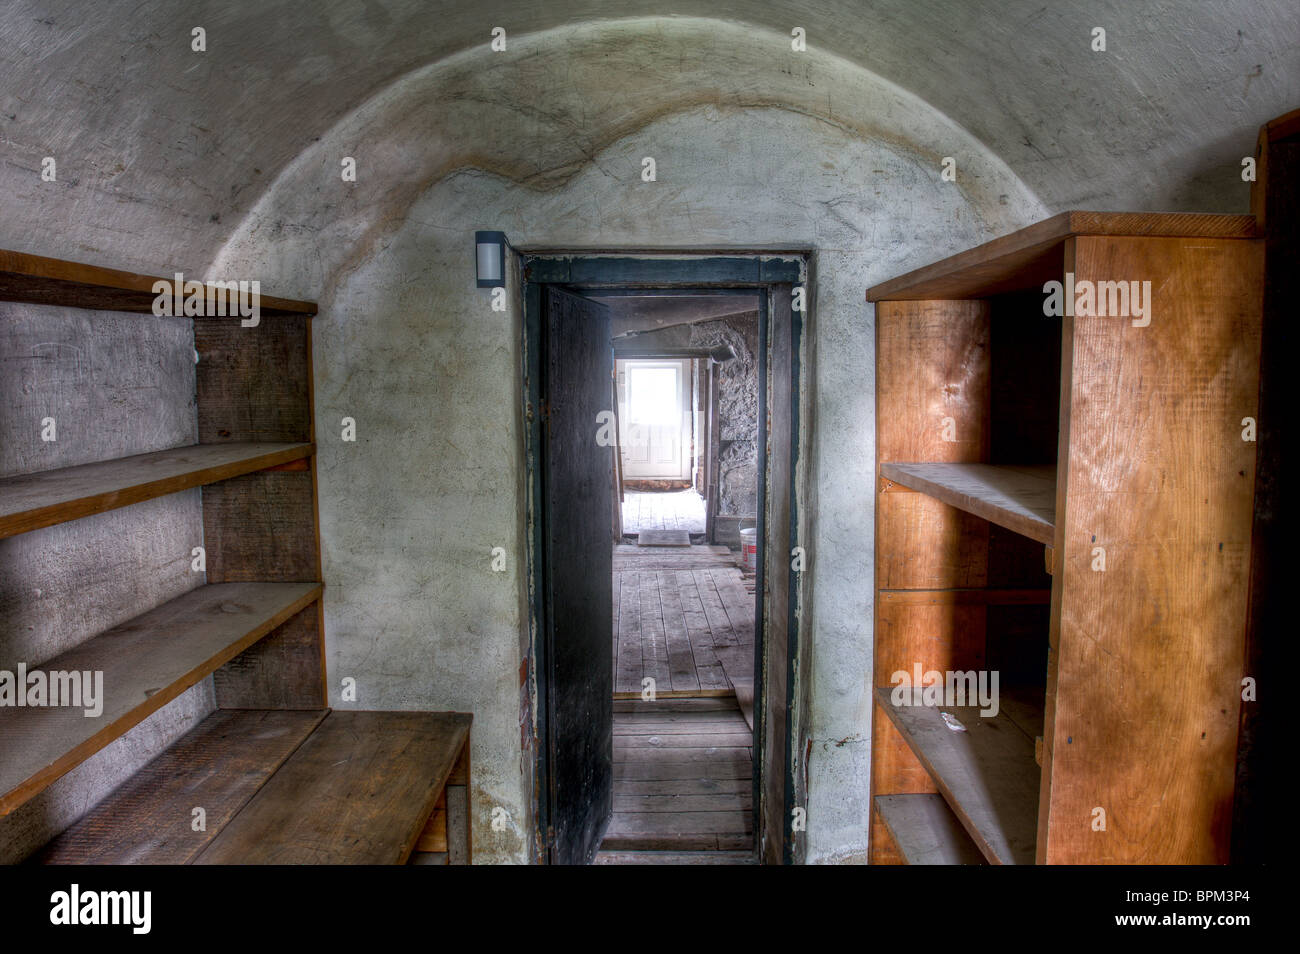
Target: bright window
(652, 396)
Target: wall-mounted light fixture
(491, 256)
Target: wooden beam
(1030, 256)
(1159, 475)
(55, 281)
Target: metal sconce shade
(491, 258)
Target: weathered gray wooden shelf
(147, 662)
(926, 830)
(1019, 498)
(987, 774)
(32, 501)
(288, 787)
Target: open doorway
(684, 601)
(661, 662)
(662, 446)
(658, 405)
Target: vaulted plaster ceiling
(161, 151)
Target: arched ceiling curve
(161, 151)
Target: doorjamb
(669, 274)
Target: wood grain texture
(628, 557)
(261, 526)
(218, 766)
(923, 543)
(1147, 655)
(940, 633)
(987, 773)
(359, 791)
(982, 597)
(1033, 255)
(576, 648)
(32, 501)
(455, 802)
(459, 850)
(932, 365)
(54, 281)
(146, 663)
(683, 777)
(777, 754)
(933, 391)
(434, 836)
(926, 831)
(1022, 499)
(883, 849)
(282, 670)
(675, 858)
(252, 384)
(895, 768)
(1146, 662)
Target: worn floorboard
(664, 510)
(682, 779)
(674, 858)
(684, 619)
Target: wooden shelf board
(32, 501)
(219, 765)
(967, 596)
(987, 774)
(358, 791)
(1284, 127)
(54, 281)
(926, 831)
(146, 662)
(1033, 255)
(1022, 499)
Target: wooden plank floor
(683, 774)
(674, 858)
(683, 617)
(664, 510)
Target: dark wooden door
(578, 476)
(777, 425)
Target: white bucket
(749, 549)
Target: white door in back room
(655, 418)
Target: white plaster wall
(547, 144)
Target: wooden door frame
(674, 273)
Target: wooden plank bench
(290, 787)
